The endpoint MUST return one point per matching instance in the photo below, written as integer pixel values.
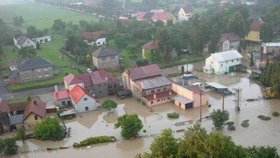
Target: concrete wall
(36, 74)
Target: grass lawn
(41, 15)
(22, 99)
(183, 60)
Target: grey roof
(181, 99)
(227, 55)
(105, 51)
(21, 40)
(216, 85)
(34, 62)
(153, 82)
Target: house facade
(34, 113)
(229, 41)
(106, 58)
(272, 48)
(43, 39)
(185, 13)
(62, 98)
(254, 33)
(23, 41)
(82, 100)
(148, 84)
(35, 68)
(223, 62)
(94, 38)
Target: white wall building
(42, 39)
(23, 41)
(222, 62)
(185, 13)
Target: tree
(59, 25)
(8, 146)
(266, 32)
(215, 38)
(165, 46)
(49, 129)
(27, 52)
(238, 24)
(32, 31)
(219, 117)
(20, 134)
(164, 145)
(109, 104)
(263, 152)
(18, 21)
(130, 125)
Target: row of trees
(271, 76)
(197, 143)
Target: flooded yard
(155, 119)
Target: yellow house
(254, 33)
(34, 113)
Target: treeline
(271, 76)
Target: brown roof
(72, 79)
(162, 16)
(93, 35)
(4, 105)
(144, 71)
(37, 107)
(105, 51)
(231, 36)
(101, 76)
(256, 25)
(152, 45)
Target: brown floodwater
(154, 119)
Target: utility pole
(238, 98)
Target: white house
(82, 100)
(185, 13)
(271, 48)
(94, 38)
(23, 41)
(42, 39)
(229, 41)
(223, 62)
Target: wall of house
(85, 101)
(36, 74)
(223, 67)
(182, 91)
(183, 16)
(30, 121)
(226, 45)
(63, 102)
(108, 62)
(42, 39)
(196, 100)
(156, 90)
(234, 45)
(126, 80)
(156, 101)
(29, 43)
(272, 50)
(100, 90)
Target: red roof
(85, 78)
(72, 79)
(93, 35)
(144, 71)
(159, 95)
(78, 92)
(61, 95)
(37, 107)
(256, 25)
(152, 45)
(4, 106)
(162, 16)
(140, 16)
(101, 76)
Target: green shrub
(231, 128)
(95, 140)
(275, 114)
(230, 123)
(245, 123)
(265, 118)
(173, 115)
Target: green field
(40, 15)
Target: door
(231, 69)
(86, 108)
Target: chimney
(155, 96)
(56, 88)
(34, 102)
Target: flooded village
(101, 78)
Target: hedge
(95, 140)
(173, 115)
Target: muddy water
(154, 119)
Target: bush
(245, 123)
(230, 123)
(20, 134)
(130, 125)
(276, 114)
(109, 104)
(219, 118)
(265, 118)
(231, 126)
(173, 115)
(95, 140)
(8, 146)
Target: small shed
(182, 102)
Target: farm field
(41, 15)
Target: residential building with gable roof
(149, 48)
(222, 62)
(4, 115)
(148, 84)
(185, 13)
(23, 41)
(163, 17)
(106, 58)
(34, 113)
(82, 100)
(229, 41)
(94, 38)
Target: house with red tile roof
(254, 33)
(229, 41)
(140, 16)
(94, 38)
(34, 113)
(62, 98)
(148, 84)
(163, 17)
(82, 100)
(4, 115)
(149, 48)
(99, 83)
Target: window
(86, 108)
(227, 61)
(164, 89)
(85, 99)
(112, 57)
(221, 65)
(35, 117)
(99, 85)
(232, 61)
(152, 102)
(158, 90)
(152, 91)
(158, 100)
